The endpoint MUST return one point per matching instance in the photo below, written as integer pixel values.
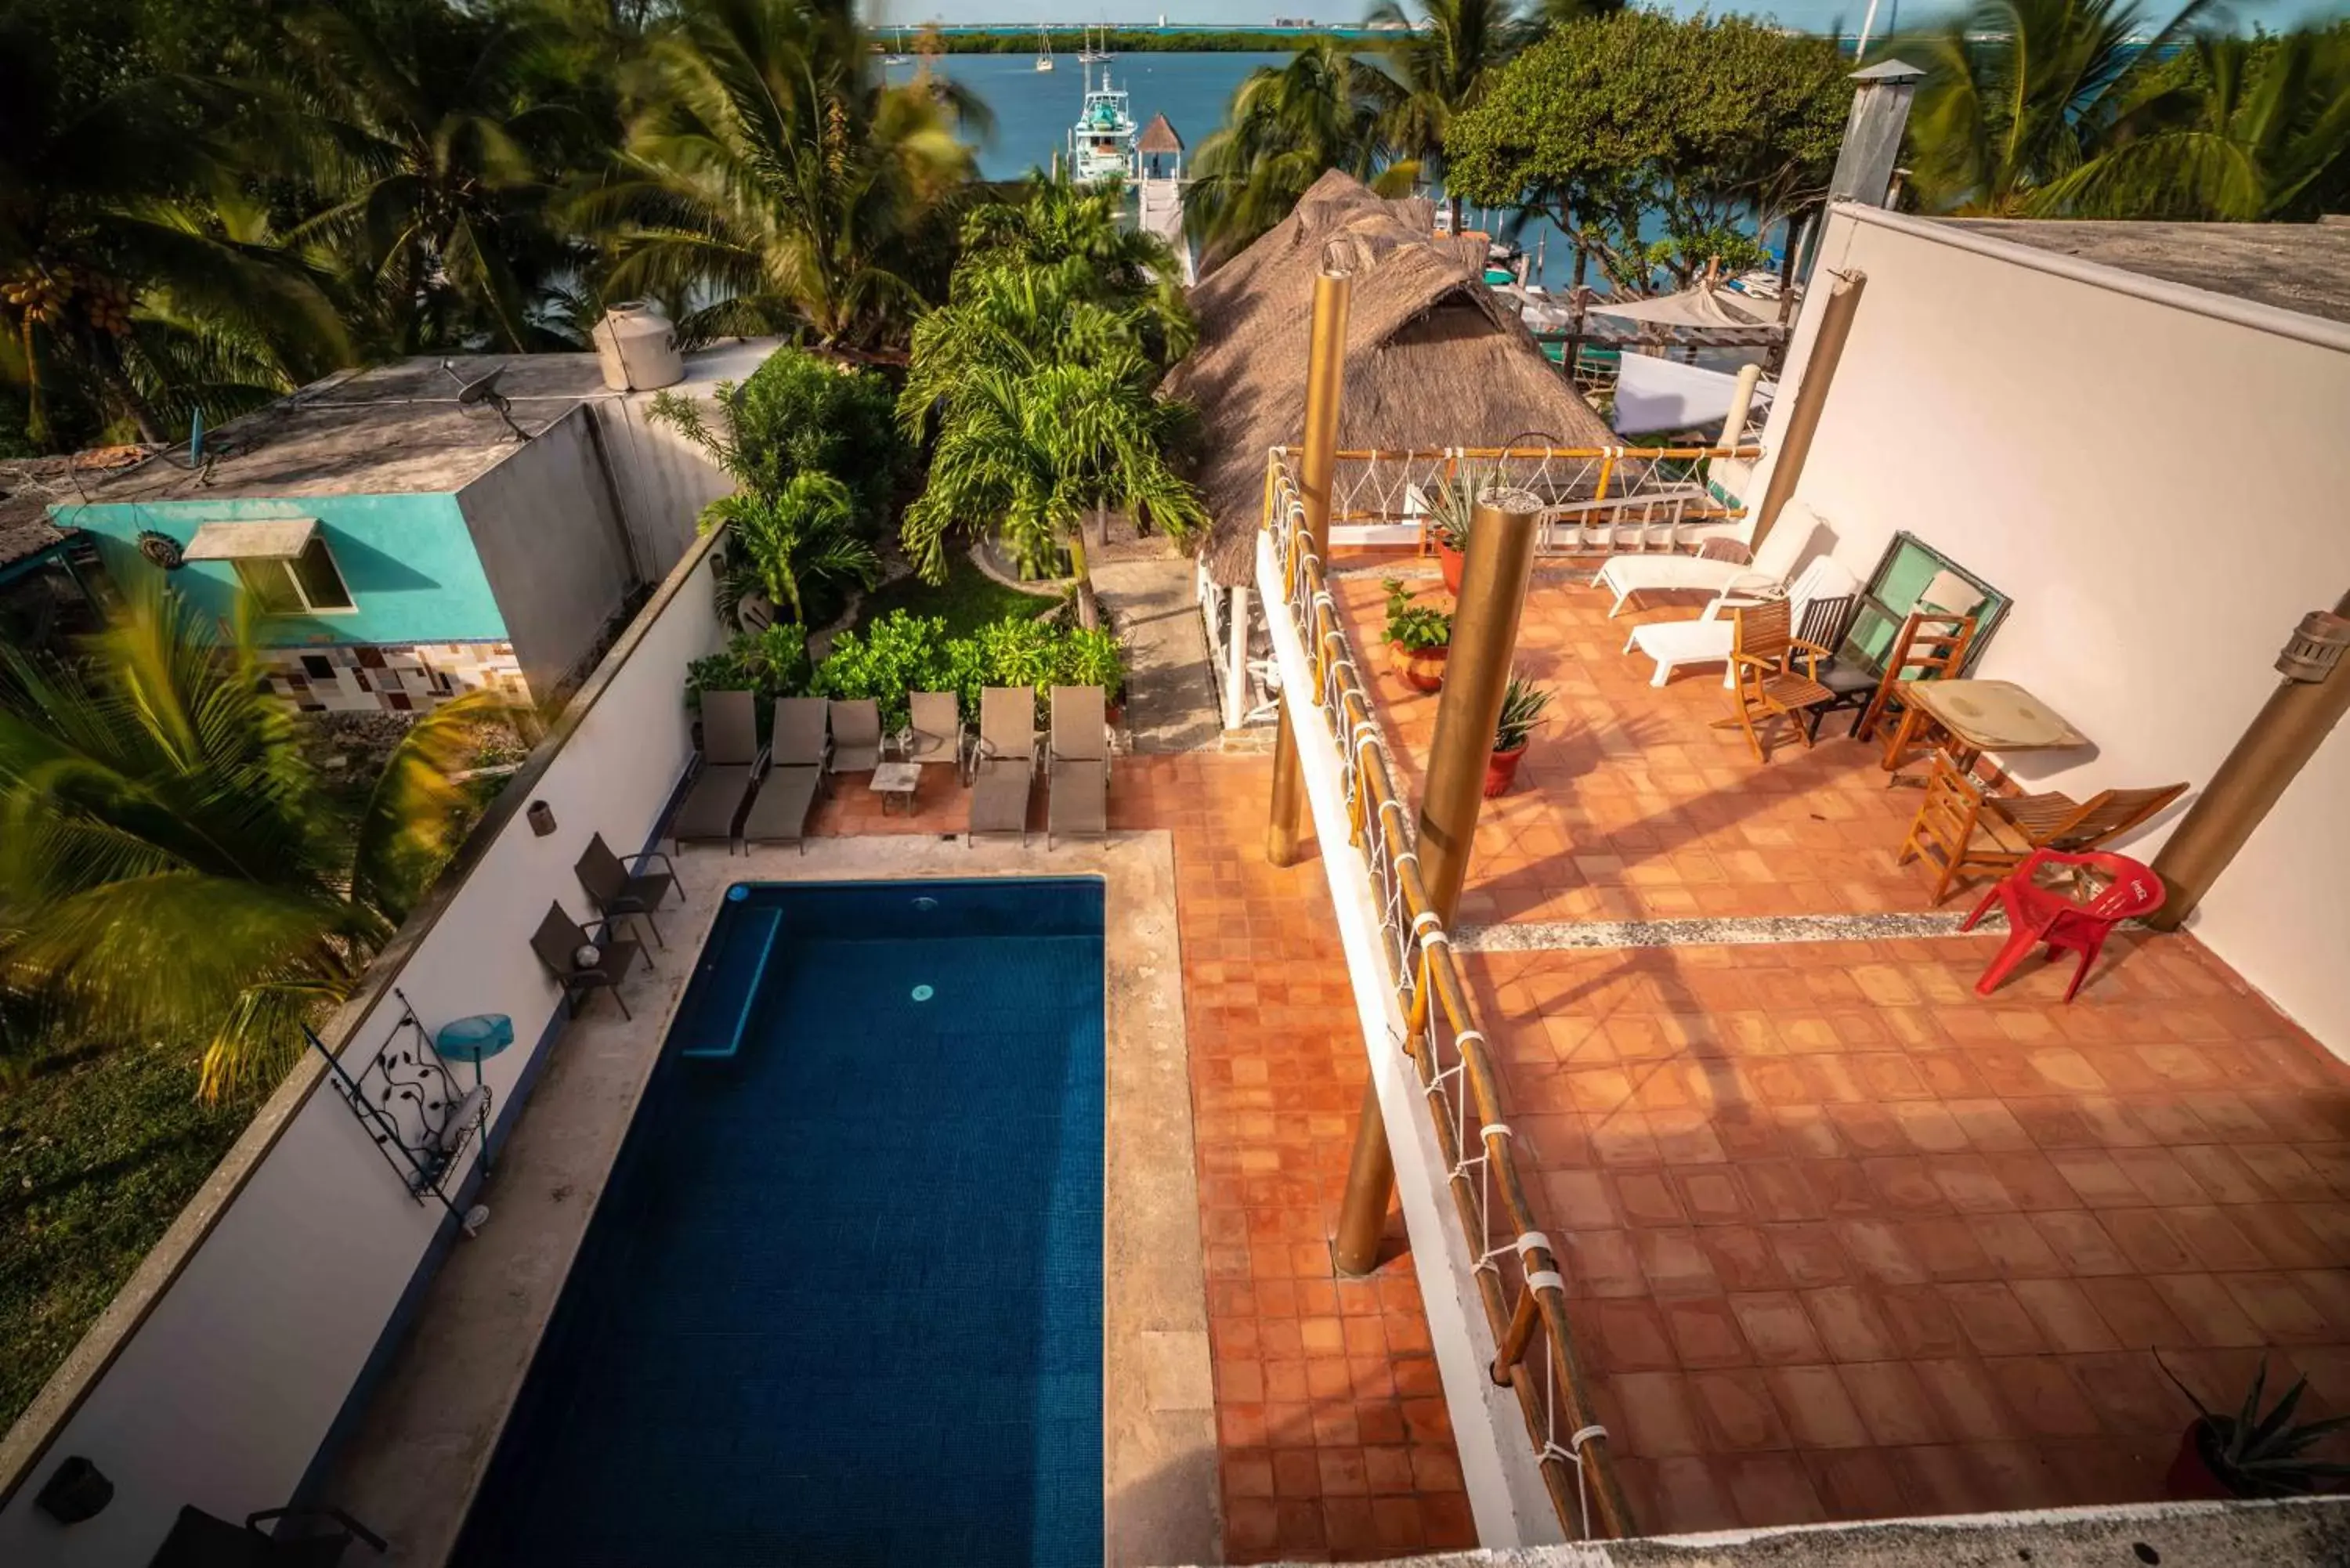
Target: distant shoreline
(1171, 40)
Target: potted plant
(1418, 639)
(1452, 507)
(1522, 703)
(2249, 1454)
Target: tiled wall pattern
(368, 679)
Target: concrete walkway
(1170, 703)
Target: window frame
(247, 566)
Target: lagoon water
(1034, 111)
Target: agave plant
(2253, 1454)
(1523, 706)
(1453, 503)
(170, 865)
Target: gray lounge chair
(1004, 763)
(558, 942)
(729, 771)
(856, 737)
(787, 794)
(934, 732)
(615, 888)
(1077, 770)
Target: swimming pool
(842, 1300)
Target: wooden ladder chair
(1932, 645)
(1960, 828)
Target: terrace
(1823, 1234)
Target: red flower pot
(1450, 560)
(2191, 1477)
(1501, 770)
(1422, 669)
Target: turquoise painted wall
(408, 560)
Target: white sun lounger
(1706, 640)
(1718, 563)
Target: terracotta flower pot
(1422, 669)
(2191, 1477)
(1501, 770)
(1450, 560)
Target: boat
(1101, 143)
(1044, 50)
(1088, 53)
(897, 56)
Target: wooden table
(1978, 716)
(898, 782)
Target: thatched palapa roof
(1433, 359)
(1159, 137)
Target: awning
(277, 539)
(1654, 394)
(1693, 308)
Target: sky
(1815, 14)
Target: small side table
(897, 781)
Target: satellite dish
(161, 549)
(481, 391)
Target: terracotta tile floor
(1845, 1239)
(1334, 1436)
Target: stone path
(1170, 703)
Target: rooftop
(2301, 267)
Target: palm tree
(796, 538)
(2244, 130)
(169, 865)
(1080, 233)
(1287, 126)
(1028, 451)
(1443, 68)
(775, 175)
(119, 294)
(432, 135)
(2021, 93)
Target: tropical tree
(2233, 128)
(798, 538)
(1718, 125)
(1443, 63)
(121, 295)
(169, 865)
(1081, 231)
(1286, 126)
(431, 139)
(774, 175)
(799, 413)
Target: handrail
(1378, 484)
(1519, 1277)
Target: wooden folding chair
(1961, 827)
(1765, 685)
(1932, 646)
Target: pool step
(718, 1005)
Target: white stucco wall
(222, 1394)
(2162, 491)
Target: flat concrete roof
(2301, 267)
(395, 428)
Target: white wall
(2163, 493)
(224, 1392)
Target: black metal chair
(560, 943)
(617, 889)
(200, 1540)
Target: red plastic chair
(2037, 914)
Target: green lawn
(966, 601)
(99, 1152)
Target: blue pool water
(841, 1303)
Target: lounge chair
(561, 942)
(1718, 563)
(1706, 640)
(855, 736)
(728, 773)
(201, 1539)
(934, 729)
(617, 889)
(1077, 764)
(1960, 828)
(1004, 763)
(796, 754)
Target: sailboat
(1089, 53)
(1044, 49)
(897, 56)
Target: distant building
(404, 546)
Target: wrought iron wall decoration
(410, 1105)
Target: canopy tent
(1693, 308)
(1654, 394)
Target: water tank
(638, 348)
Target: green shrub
(1092, 658)
(897, 654)
(902, 652)
(771, 663)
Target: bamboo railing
(1519, 1278)
(1598, 499)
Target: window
(283, 564)
(1908, 569)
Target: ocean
(1034, 111)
